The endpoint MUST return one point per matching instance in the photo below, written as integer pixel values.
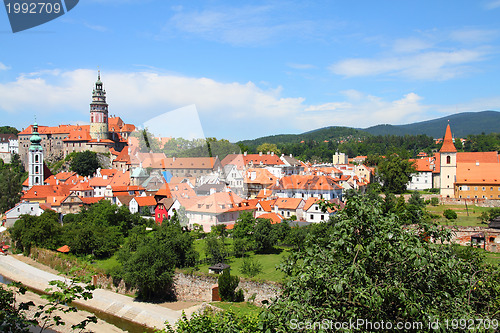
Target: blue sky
(254, 68)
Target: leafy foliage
(85, 163)
(227, 285)
(42, 231)
(11, 179)
(489, 215)
(395, 173)
(215, 248)
(13, 316)
(450, 214)
(149, 259)
(214, 322)
(264, 237)
(250, 267)
(367, 264)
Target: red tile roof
(448, 146)
(288, 203)
(275, 218)
(145, 201)
(484, 173)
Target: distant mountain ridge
(462, 124)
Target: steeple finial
(99, 74)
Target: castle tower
(99, 112)
(35, 159)
(448, 159)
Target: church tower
(448, 159)
(99, 112)
(35, 159)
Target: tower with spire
(99, 112)
(35, 159)
(448, 160)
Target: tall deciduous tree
(395, 173)
(85, 163)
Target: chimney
(245, 154)
(291, 155)
(212, 191)
(272, 153)
(260, 153)
(173, 159)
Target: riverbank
(150, 315)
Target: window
(491, 188)
(322, 217)
(448, 160)
(475, 188)
(312, 216)
(484, 188)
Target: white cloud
(300, 66)
(424, 66)
(410, 45)
(241, 26)
(492, 4)
(229, 109)
(471, 35)
(366, 111)
(3, 67)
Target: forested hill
(462, 125)
(327, 133)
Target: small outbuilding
(218, 268)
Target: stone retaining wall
(186, 287)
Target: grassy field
(243, 308)
(466, 217)
(268, 262)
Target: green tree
(244, 226)
(264, 236)
(227, 285)
(150, 268)
(84, 163)
(250, 267)
(215, 248)
(395, 173)
(450, 214)
(41, 231)
(268, 147)
(370, 266)
(12, 177)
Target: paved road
(104, 300)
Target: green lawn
(492, 258)
(463, 219)
(107, 265)
(268, 262)
(243, 308)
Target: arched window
(37, 169)
(36, 180)
(448, 159)
(36, 158)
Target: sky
(254, 68)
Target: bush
(227, 285)
(434, 201)
(239, 296)
(449, 214)
(250, 267)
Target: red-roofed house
(217, 208)
(422, 180)
(289, 207)
(137, 203)
(305, 187)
